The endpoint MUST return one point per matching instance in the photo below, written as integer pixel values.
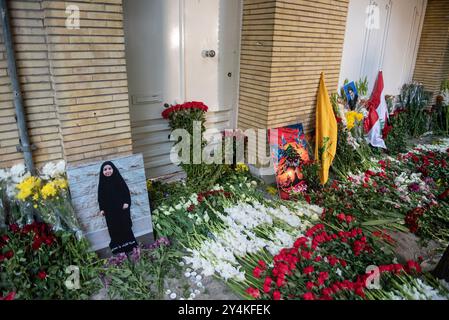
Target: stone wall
(74, 82)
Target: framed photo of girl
(111, 202)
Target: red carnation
(308, 270)
(262, 264)
(308, 296)
(307, 198)
(191, 208)
(300, 242)
(257, 272)
(413, 266)
(253, 292)
(341, 217)
(267, 284)
(309, 285)
(306, 255)
(276, 295)
(10, 296)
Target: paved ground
(408, 247)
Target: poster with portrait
(288, 149)
(111, 203)
(352, 95)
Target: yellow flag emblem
(326, 132)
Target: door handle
(209, 53)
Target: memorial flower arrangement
(185, 116)
(45, 196)
(328, 265)
(35, 262)
(407, 192)
(141, 276)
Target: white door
(165, 45)
(382, 35)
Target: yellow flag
(326, 131)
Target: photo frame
(83, 184)
(352, 95)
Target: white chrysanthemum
(18, 172)
(4, 175)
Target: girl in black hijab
(115, 204)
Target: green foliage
(415, 100)
(397, 138)
(349, 158)
(362, 87)
(199, 176)
(141, 275)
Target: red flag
(377, 109)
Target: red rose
(191, 208)
(276, 295)
(349, 219)
(2, 258)
(341, 217)
(42, 275)
(262, 264)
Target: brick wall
(285, 46)
(432, 65)
(27, 26)
(74, 82)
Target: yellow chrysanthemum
(351, 118)
(241, 167)
(26, 187)
(61, 184)
(49, 190)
